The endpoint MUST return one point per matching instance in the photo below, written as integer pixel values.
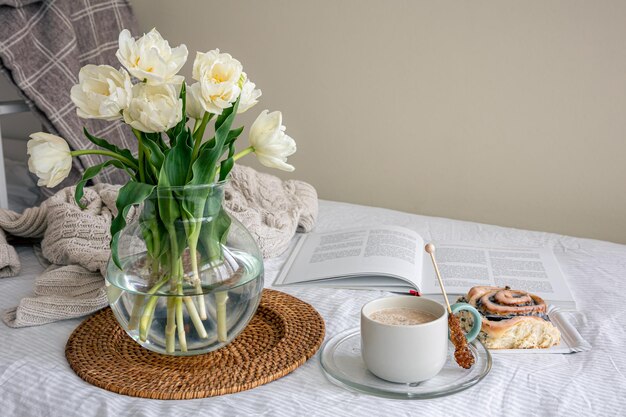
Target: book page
(463, 266)
(389, 254)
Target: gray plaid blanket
(43, 45)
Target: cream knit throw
(76, 242)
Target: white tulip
(154, 108)
(102, 92)
(50, 158)
(269, 141)
(219, 76)
(151, 58)
(249, 96)
(193, 105)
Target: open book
(392, 258)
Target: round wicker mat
(282, 335)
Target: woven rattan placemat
(282, 335)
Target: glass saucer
(341, 361)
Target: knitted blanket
(76, 242)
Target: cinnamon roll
(512, 319)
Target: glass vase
(188, 277)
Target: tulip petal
(50, 158)
(269, 141)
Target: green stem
(176, 309)
(193, 228)
(135, 315)
(148, 311)
(196, 125)
(133, 322)
(221, 297)
(170, 326)
(127, 161)
(140, 155)
(205, 120)
(191, 307)
(193, 252)
(172, 306)
(237, 156)
(156, 243)
(195, 318)
(243, 153)
(199, 133)
(180, 323)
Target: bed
(35, 379)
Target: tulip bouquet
(176, 158)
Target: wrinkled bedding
(35, 379)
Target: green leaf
(89, 174)
(170, 134)
(180, 127)
(156, 156)
(234, 134)
(131, 194)
(207, 145)
(148, 238)
(192, 205)
(189, 138)
(170, 215)
(205, 166)
(228, 163)
(175, 132)
(158, 139)
(215, 232)
(152, 174)
(225, 167)
(173, 174)
(169, 210)
(103, 143)
(175, 165)
(154, 231)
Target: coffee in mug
(396, 348)
(401, 316)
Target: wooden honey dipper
(462, 353)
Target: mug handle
(477, 319)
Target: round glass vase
(189, 277)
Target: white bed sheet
(35, 379)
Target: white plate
(341, 361)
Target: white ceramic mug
(408, 353)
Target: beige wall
(503, 112)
